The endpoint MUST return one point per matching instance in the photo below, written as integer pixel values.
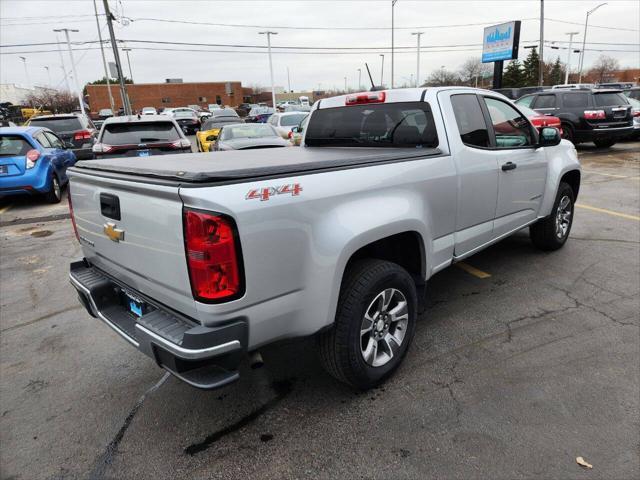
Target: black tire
(54, 195)
(567, 133)
(545, 233)
(605, 143)
(340, 347)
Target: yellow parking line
(4, 209)
(472, 270)
(609, 174)
(608, 212)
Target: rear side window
(609, 99)
(575, 100)
(407, 124)
(62, 124)
(545, 101)
(471, 124)
(292, 120)
(13, 146)
(135, 133)
(42, 140)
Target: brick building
(161, 95)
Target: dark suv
(140, 136)
(76, 130)
(587, 115)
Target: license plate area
(134, 305)
(144, 153)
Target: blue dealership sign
(501, 42)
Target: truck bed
(250, 164)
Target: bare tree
(473, 71)
(257, 88)
(57, 101)
(442, 77)
(603, 69)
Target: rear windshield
(128, 134)
(185, 114)
(608, 99)
(13, 146)
(62, 124)
(225, 113)
(219, 122)
(292, 120)
(249, 130)
(407, 124)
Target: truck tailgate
(150, 256)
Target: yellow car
(210, 129)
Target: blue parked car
(33, 160)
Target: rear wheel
(54, 195)
(604, 143)
(552, 232)
(374, 325)
(567, 132)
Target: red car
(540, 120)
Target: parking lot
(522, 362)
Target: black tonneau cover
(238, 165)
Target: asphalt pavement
(522, 362)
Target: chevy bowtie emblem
(115, 234)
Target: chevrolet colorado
(199, 259)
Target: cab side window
(510, 127)
(545, 101)
(470, 120)
(526, 100)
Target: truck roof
(234, 166)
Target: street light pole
(73, 66)
(127, 50)
(46, 67)
(418, 34)
(116, 56)
(584, 40)
(382, 71)
(26, 71)
(566, 73)
(104, 60)
(273, 90)
(393, 4)
(541, 59)
(64, 69)
(359, 79)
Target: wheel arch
(572, 178)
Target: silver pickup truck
(199, 259)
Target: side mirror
(549, 137)
(295, 129)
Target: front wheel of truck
(374, 326)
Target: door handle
(509, 166)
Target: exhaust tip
(255, 360)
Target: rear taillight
(32, 157)
(367, 97)
(101, 148)
(213, 256)
(182, 143)
(73, 218)
(594, 115)
(82, 135)
(290, 134)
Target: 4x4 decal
(266, 193)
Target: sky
(338, 36)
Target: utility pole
(584, 40)
(418, 34)
(127, 50)
(359, 79)
(566, 73)
(26, 71)
(541, 60)
(382, 71)
(288, 80)
(73, 66)
(393, 4)
(123, 89)
(104, 60)
(273, 90)
(46, 67)
(64, 69)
